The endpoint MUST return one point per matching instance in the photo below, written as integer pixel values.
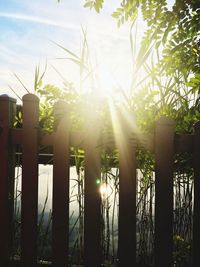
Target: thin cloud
(39, 20)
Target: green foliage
(126, 11)
(181, 254)
(18, 119)
(97, 4)
(177, 29)
(38, 78)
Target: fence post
(61, 168)
(7, 113)
(92, 198)
(29, 200)
(196, 211)
(127, 193)
(164, 146)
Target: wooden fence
(164, 144)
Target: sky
(27, 29)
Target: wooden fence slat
(127, 199)
(61, 166)
(196, 211)
(7, 112)
(164, 144)
(29, 199)
(183, 143)
(92, 198)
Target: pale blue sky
(26, 28)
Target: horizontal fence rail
(38, 147)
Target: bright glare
(106, 83)
(109, 82)
(105, 190)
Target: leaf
(66, 50)
(20, 115)
(157, 44)
(88, 4)
(115, 14)
(96, 8)
(118, 23)
(40, 83)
